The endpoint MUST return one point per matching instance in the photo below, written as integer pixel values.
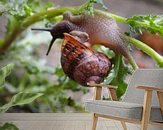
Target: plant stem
(31, 20)
(9, 39)
(114, 16)
(133, 63)
(148, 50)
(59, 11)
(46, 14)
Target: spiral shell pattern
(82, 63)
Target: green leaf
(89, 6)
(8, 126)
(71, 85)
(101, 3)
(21, 98)
(121, 89)
(4, 72)
(150, 23)
(16, 8)
(59, 72)
(118, 74)
(21, 9)
(104, 50)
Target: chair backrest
(147, 77)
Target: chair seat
(131, 111)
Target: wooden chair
(142, 103)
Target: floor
(59, 121)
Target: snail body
(101, 30)
(81, 63)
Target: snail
(82, 63)
(100, 29)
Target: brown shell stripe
(73, 53)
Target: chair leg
(160, 98)
(94, 122)
(146, 110)
(144, 126)
(124, 125)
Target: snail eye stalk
(50, 46)
(49, 30)
(42, 29)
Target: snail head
(54, 35)
(56, 32)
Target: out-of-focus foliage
(18, 10)
(18, 99)
(31, 73)
(21, 9)
(21, 98)
(4, 72)
(8, 126)
(149, 23)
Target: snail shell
(81, 63)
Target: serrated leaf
(89, 6)
(4, 72)
(21, 98)
(8, 126)
(118, 74)
(150, 23)
(24, 98)
(104, 50)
